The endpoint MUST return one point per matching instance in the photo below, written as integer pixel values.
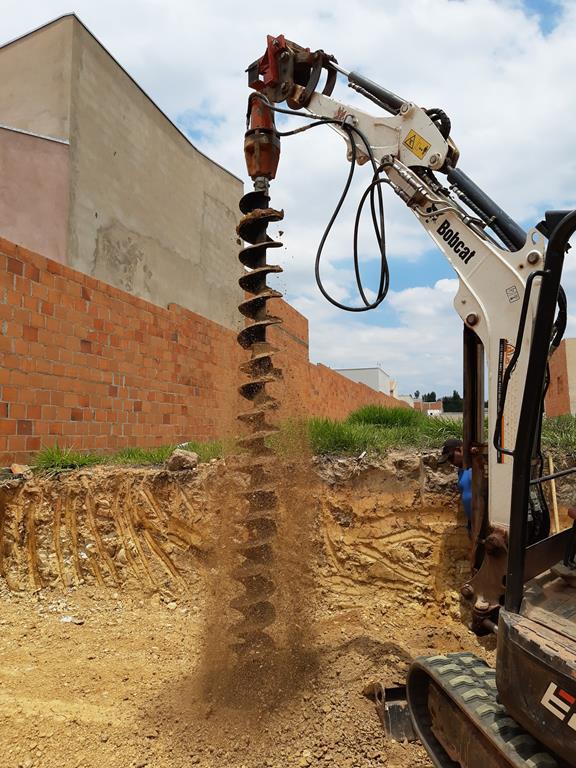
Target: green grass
(208, 451)
(559, 435)
(55, 459)
(386, 417)
(373, 429)
(352, 437)
(139, 456)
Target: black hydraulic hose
(376, 214)
(389, 100)
(494, 213)
(561, 318)
(512, 364)
(441, 119)
(485, 218)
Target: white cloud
(427, 338)
(506, 85)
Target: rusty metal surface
(285, 65)
(392, 710)
(486, 588)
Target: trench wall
(90, 366)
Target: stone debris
(182, 459)
(21, 469)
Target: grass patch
(559, 435)
(357, 434)
(54, 458)
(386, 417)
(140, 456)
(207, 451)
(373, 429)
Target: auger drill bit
(256, 571)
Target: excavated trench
(117, 587)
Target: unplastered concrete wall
(146, 211)
(372, 377)
(149, 213)
(87, 365)
(34, 187)
(35, 76)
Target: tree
(416, 394)
(429, 397)
(453, 404)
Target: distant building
(407, 399)
(561, 395)
(95, 176)
(431, 409)
(375, 378)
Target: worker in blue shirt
(453, 451)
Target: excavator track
(456, 714)
(258, 517)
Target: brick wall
(558, 395)
(90, 366)
(420, 405)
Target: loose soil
(115, 623)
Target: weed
(141, 456)
(386, 417)
(54, 458)
(207, 451)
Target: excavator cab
(524, 712)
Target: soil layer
(116, 615)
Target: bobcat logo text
(453, 239)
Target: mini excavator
(513, 308)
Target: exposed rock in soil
(182, 459)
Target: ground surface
(114, 624)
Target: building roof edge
(73, 16)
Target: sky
(502, 69)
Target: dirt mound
(116, 607)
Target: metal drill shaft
(256, 571)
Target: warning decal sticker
(416, 144)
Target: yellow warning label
(416, 144)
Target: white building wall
(375, 378)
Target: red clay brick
(33, 412)
(14, 266)
(109, 369)
(30, 334)
(18, 411)
(33, 443)
(32, 273)
(24, 427)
